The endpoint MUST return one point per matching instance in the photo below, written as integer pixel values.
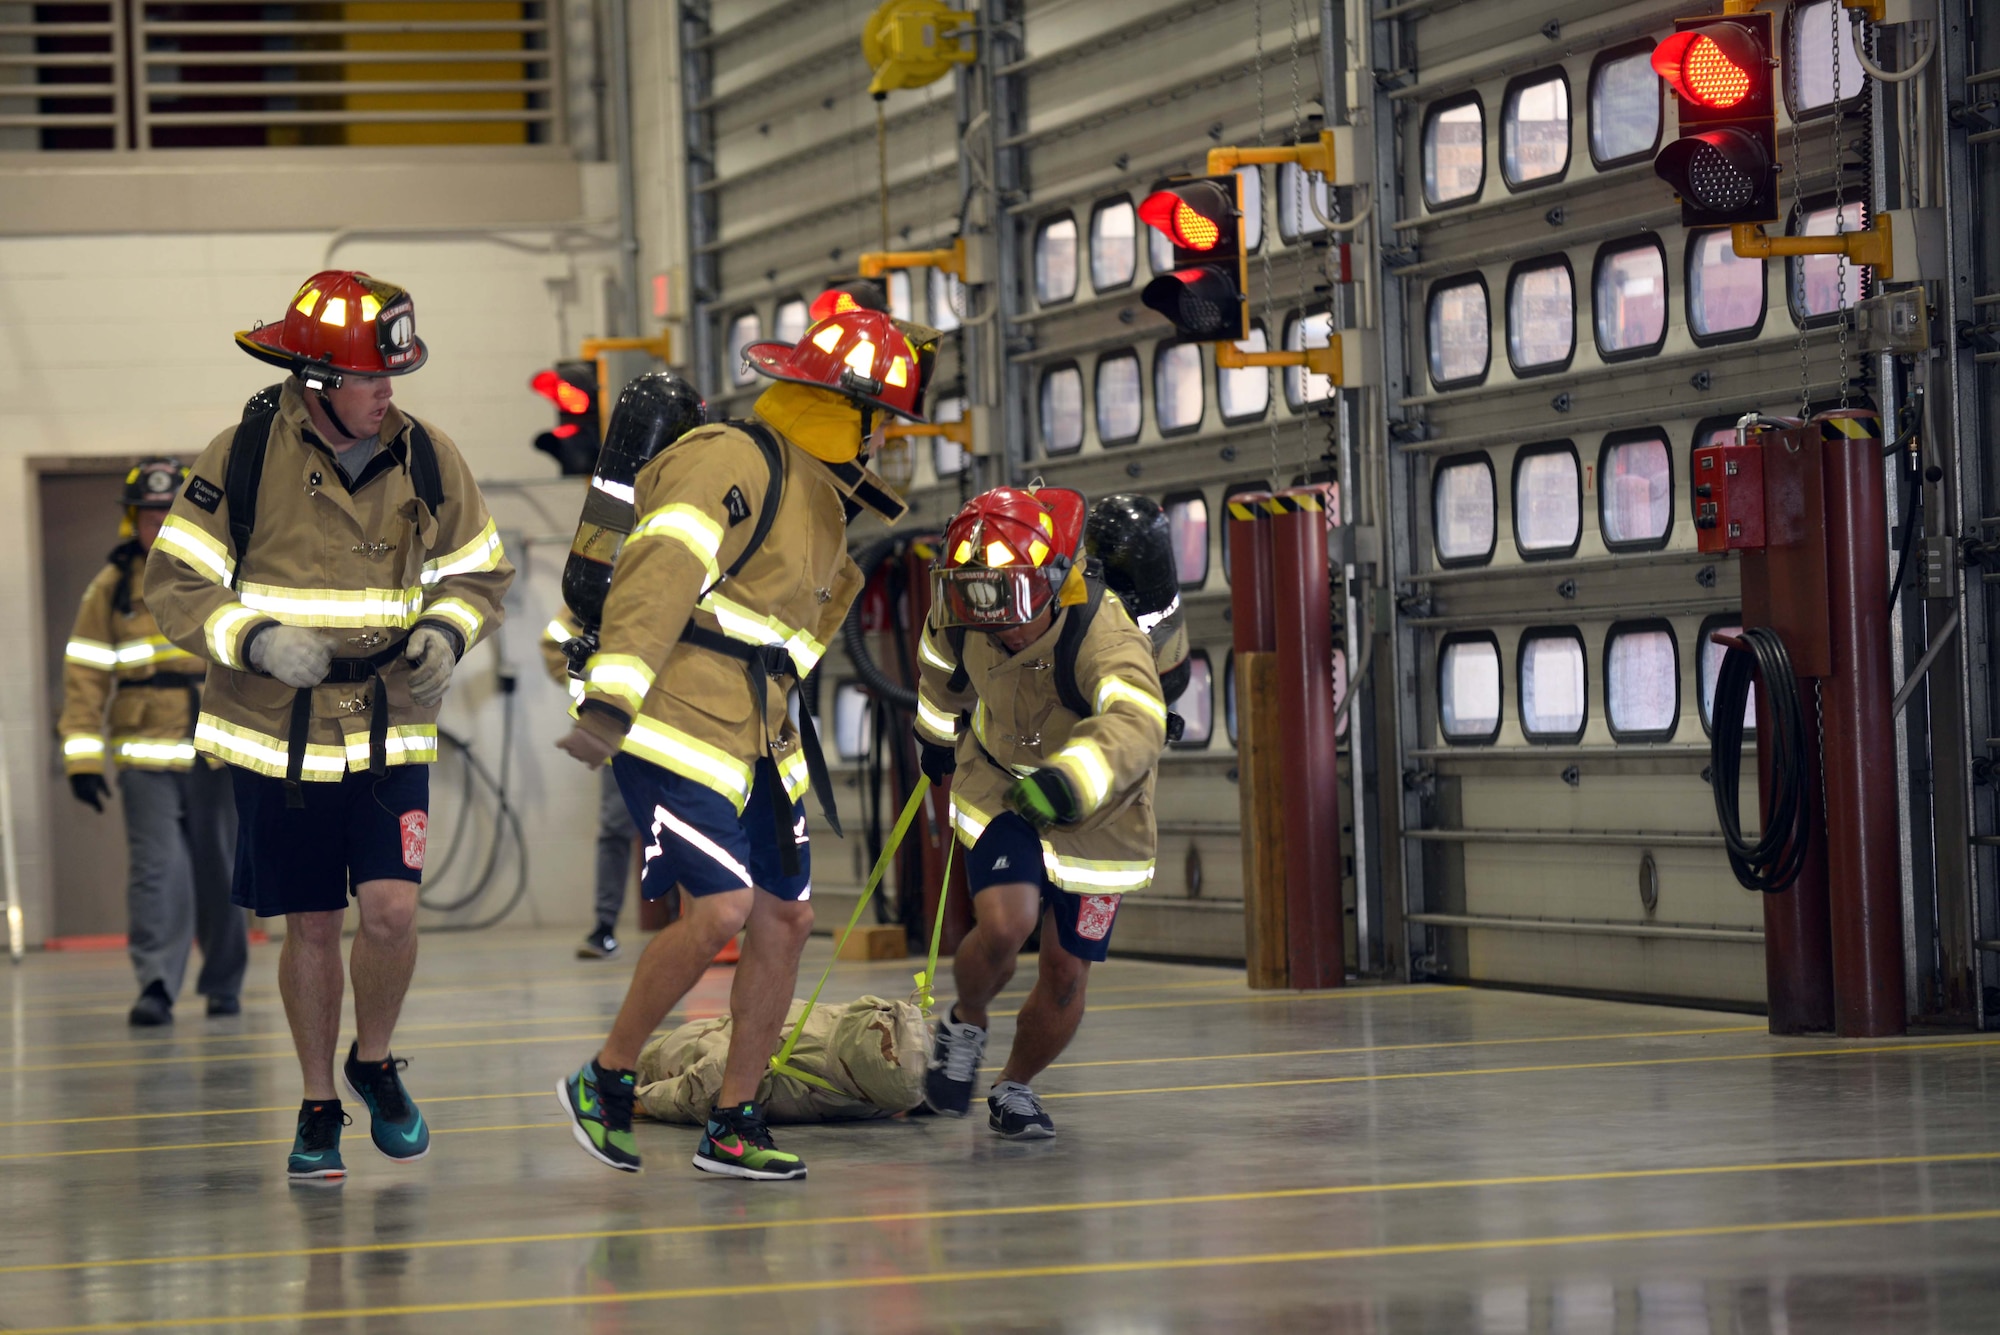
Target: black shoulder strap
(245, 472)
(1070, 642)
(424, 473)
(774, 459)
(955, 637)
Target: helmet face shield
(980, 598)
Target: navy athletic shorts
(695, 839)
(1010, 852)
(307, 859)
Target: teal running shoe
(394, 1122)
(316, 1146)
(738, 1144)
(599, 1104)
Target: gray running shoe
(1017, 1114)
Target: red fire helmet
(863, 354)
(1006, 554)
(345, 322)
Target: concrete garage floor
(1380, 1159)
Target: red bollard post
(1302, 619)
(1798, 951)
(1860, 762)
(1250, 573)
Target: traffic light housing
(1724, 165)
(1204, 294)
(573, 443)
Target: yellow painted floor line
(855, 1283)
(1880, 1049)
(1050, 1208)
(286, 1053)
(1129, 1061)
(282, 1140)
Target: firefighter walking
(130, 697)
(1040, 699)
(333, 559)
(724, 595)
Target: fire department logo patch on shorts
(1094, 914)
(416, 836)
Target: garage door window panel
(1629, 298)
(1304, 387)
(1196, 704)
(1062, 409)
(1725, 292)
(1541, 316)
(1555, 693)
(744, 329)
(1625, 106)
(1304, 203)
(1710, 658)
(1469, 688)
(1229, 696)
(1114, 244)
(1809, 65)
(1635, 490)
(1642, 681)
(1119, 411)
(1464, 511)
(789, 321)
(1534, 130)
(853, 722)
(1822, 286)
(1243, 395)
(1055, 260)
(1548, 501)
(1187, 526)
(947, 301)
(1454, 151)
(1460, 329)
(1180, 390)
(948, 457)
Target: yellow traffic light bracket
(660, 346)
(875, 263)
(959, 433)
(1324, 361)
(1871, 247)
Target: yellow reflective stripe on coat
(935, 722)
(263, 753)
(224, 628)
(82, 744)
(691, 758)
(409, 742)
(198, 549)
(149, 651)
(931, 656)
(623, 675)
(1112, 691)
(90, 653)
(151, 752)
(344, 608)
(792, 772)
(460, 614)
(557, 633)
(689, 526)
(740, 623)
(970, 822)
(1084, 765)
(481, 554)
(1088, 876)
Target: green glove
(1043, 798)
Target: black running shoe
(153, 1008)
(316, 1146)
(956, 1051)
(738, 1143)
(1017, 1114)
(225, 1006)
(395, 1123)
(599, 943)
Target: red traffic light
(1193, 215)
(1721, 170)
(562, 393)
(1716, 66)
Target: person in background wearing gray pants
(131, 698)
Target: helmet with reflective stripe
(1006, 554)
(153, 484)
(858, 294)
(341, 322)
(874, 360)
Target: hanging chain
(1836, 14)
(1799, 217)
(882, 162)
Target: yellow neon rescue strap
(782, 1063)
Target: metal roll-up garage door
(1567, 345)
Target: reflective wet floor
(1379, 1159)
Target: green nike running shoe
(738, 1144)
(394, 1122)
(316, 1146)
(599, 1103)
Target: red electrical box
(1729, 497)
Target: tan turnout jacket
(686, 708)
(1010, 720)
(112, 659)
(367, 567)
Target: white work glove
(294, 655)
(430, 650)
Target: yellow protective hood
(823, 424)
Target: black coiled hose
(1773, 862)
(855, 639)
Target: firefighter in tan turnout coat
(130, 698)
(333, 559)
(724, 595)
(1040, 698)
